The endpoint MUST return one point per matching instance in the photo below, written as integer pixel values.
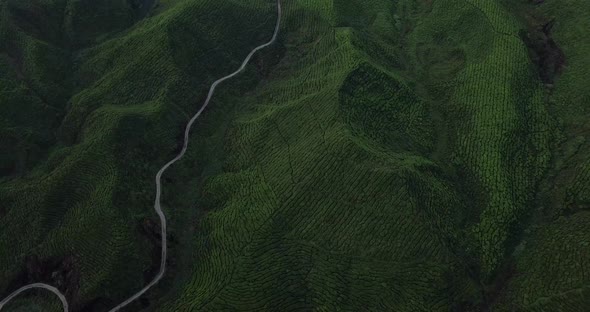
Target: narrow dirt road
(157, 205)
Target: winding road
(52, 289)
(157, 205)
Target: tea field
(383, 155)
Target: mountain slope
(382, 156)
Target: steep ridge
(391, 163)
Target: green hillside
(383, 155)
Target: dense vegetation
(384, 155)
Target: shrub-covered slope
(382, 156)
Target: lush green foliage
(382, 156)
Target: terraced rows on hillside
(382, 156)
(88, 198)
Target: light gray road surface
(37, 285)
(157, 205)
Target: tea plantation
(381, 155)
